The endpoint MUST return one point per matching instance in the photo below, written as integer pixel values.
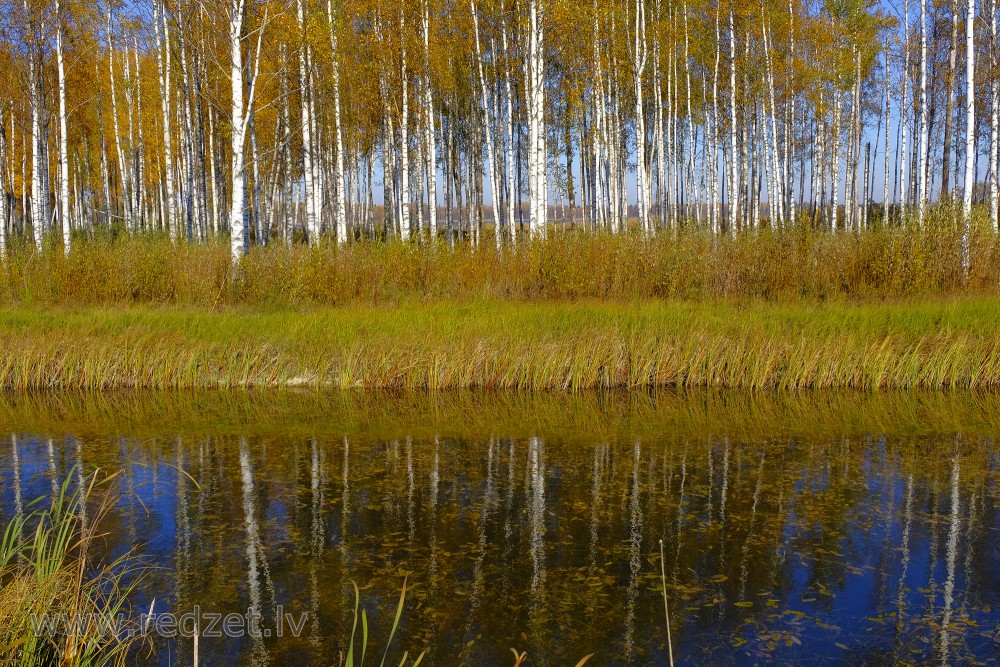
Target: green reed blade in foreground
(48, 572)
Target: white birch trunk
(658, 130)
(162, 32)
(39, 197)
(404, 147)
(286, 121)
(885, 182)
(835, 161)
(122, 171)
(904, 115)
(488, 130)
(311, 226)
(922, 155)
(970, 132)
(790, 133)
(855, 199)
(239, 240)
(535, 92)
(430, 146)
(734, 175)
(317, 147)
(212, 172)
(639, 65)
(340, 212)
(63, 140)
(130, 152)
(242, 114)
(714, 130)
(140, 154)
(598, 205)
(5, 216)
(508, 95)
(777, 171)
(692, 137)
(994, 125)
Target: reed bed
(797, 264)
(508, 345)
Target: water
(823, 528)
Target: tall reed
(779, 265)
(60, 604)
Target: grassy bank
(796, 265)
(504, 345)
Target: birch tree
(5, 196)
(162, 31)
(64, 218)
(970, 131)
(491, 155)
(312, 223)
(242, 112)
(994, 122)
(922, 152)
(639, 66)
(430, 146)
(339, 201)
(535, 102)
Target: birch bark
(922, 155)
(491, 155)
(239, 240)
(404, 143)
(994, 125)
(63, 140)
(311, 226)
(340, 212)
(162, 29)
(430, 146)
(4, 198)
(734, 179)
(970, 132)
(639, 66)
(885, 180)
(904, 114)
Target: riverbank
(928, 343)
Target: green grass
(930, 342)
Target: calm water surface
(823, 529)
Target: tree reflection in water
(847, 537)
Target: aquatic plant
(60, 603)
(357, 658)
